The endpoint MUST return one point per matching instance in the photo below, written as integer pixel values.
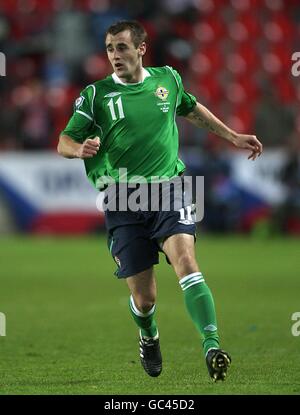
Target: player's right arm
(70, 149)
(78, 139)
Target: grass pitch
(69, 331)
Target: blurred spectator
(274, 122)
(72, 40)
(34, 117)
(104, 14)
(286, 218)
(222, 208)
(179, 6)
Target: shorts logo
(186, 222)
(118, 262)
(162, 93)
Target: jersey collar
(117, 80)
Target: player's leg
(199, 301)
(142, 287)
(180, 250)
(135, 256)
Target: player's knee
(186, 260)
(144, 304)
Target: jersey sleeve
(81, 124)
(188, 102)
(185, 101)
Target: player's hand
(249, 142)
(88, 148)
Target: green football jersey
(135, 123)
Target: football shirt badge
(162, 93)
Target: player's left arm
(203, 118)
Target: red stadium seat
(285, 88)
(242, 91)
(45, 6)
(182, 28)
(96, 66)
(208, 89)
(12, 7)
(275, 5)
(207, 60)
(241, 118)
(246, 5)
(210, 7)
(235, 93)
(245, 59)
(290, 6)
(278, 59)
(209, 30)
(250, 86)
(245, 28)
(279, 28)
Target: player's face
(124, 57)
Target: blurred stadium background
(234, 55)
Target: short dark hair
(138, 33)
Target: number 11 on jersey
(111, 106)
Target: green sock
(145, 321)
(200, 305)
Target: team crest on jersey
(162, 93)
(78, 102)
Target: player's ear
(142, 49)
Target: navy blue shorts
(134, 238)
